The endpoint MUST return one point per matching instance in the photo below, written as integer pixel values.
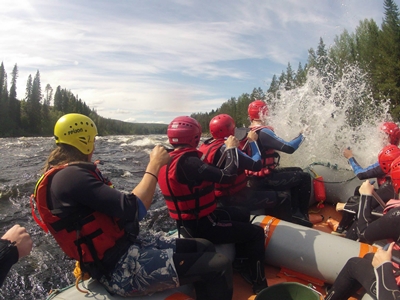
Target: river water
(21, 160)
(337, 114)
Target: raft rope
(310, 170)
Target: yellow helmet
(76, 130)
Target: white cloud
(173, 57)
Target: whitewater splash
(338, 112)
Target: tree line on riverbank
(375, 50)
(34, 116)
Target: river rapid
(124, 160)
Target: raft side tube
(339, 184)
(308, 251)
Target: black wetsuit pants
(293, 179)
(349, 215)
(231, 225)
(211, 273)
(273, 203)
(356, 273)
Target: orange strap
(365, 248)
(269, 224)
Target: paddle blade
(241, 133)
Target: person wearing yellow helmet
(99, 226)
(76, 130)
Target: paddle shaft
(378, 199)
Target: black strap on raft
(178, 211)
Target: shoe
(242, 267)
(258, 287)
(339, 229)
(301, 221)
(338, 233)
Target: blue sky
(150, 61)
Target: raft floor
(242, 290)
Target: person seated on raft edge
(15, 244)
(390, 136)
(382, 281)
(187, 183)
(373, 272)
(237, 193)
(385, 191)
(279, 179)
(99, 226)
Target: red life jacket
(381, 180)
(84, 236)
(185, 202)
(269, 157)
(209, 150)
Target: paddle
(241, 133)
(378, 199)
(395, 254)
(221, 159)
(376, 196)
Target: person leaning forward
(187, 183)
(99, 226)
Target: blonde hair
(62, 155)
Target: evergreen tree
(46, 120)
(58, 99)
(322, 58)
(387, 73)
(257, 94)
(312, 58)
(273, 88)
(15, 105)
(289, 84)
(301, 76)
(34, 105)
(3, 101)
(367, 43)
(343, 52)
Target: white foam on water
(339, 113)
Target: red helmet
(257, 109)
(222, 126)
(393, 131)
(184, 131)
(395, 174)
(386, 156)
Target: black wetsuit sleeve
(192, 170)
(245, 161)
(385, 282)
(269, 140)
(8, 257)
(371, 230)
(75, 186)
(372, 171)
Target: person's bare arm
(147, 186)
